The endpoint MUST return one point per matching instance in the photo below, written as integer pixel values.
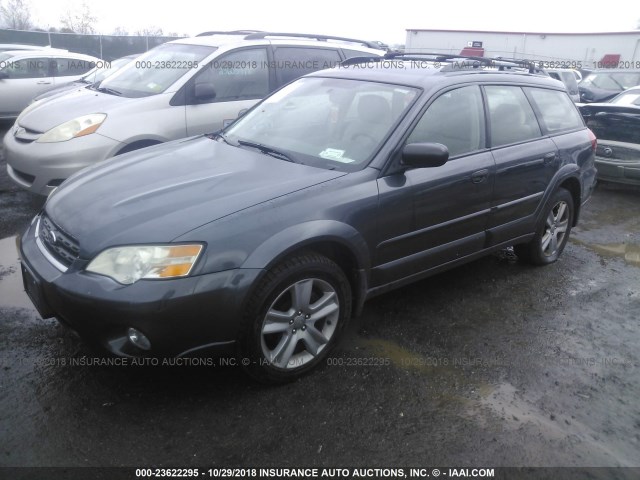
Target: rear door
(525, 162)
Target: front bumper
(179, 317)
(41, 167)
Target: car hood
(62, 90)
(159, 193)
(59, 109)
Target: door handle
(43, 82)
(479, 176)
(550, 157)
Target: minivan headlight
(129, 264)
(78, 127)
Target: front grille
(63, 247)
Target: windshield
(100, 73)
(611, 81)
(325, 122)
(628, 98)
(157, 70)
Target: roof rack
(467, 61)
(230, 32)
(261, 35)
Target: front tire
(294, 318)
(552, 233)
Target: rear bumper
(618, 171)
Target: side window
(454, 119)
(69, 67)
(510, 115)
(294, 62)
(556, 109)
(354, 53)
(240, 75)
(27, 68)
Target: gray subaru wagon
(263, 239)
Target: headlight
(78, 127)
(127, 265)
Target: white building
(579, 50)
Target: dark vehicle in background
(93, 77)
(602, 85)
(568, 77)
(617, 126)
(265, 238)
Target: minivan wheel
(294, 318)
(552, 232)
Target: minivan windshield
(324, 122)
(157, 70)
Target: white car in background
(182, 88)
(25, 74)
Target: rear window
(294, 62)
(557, 110)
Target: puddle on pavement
(11, 290)
(507, 403)
(629, 252)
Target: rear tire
(552, 232)
(294, 318)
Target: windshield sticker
(336, 155)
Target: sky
(386, 21)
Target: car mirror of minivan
(204, 91)
(424, 155)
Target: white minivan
(182, 88)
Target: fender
(298, 236)
(565, 172)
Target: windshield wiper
(110, 91)
(267, 150)
(221, 136)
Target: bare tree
(151, 31)
(16, 14)
(120, 31)
(79, 19)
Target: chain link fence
(105, 47)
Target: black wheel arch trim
(567, 172)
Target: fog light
(139, 339)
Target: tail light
(594, 140)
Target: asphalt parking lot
(492, 364)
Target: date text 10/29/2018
(372, 473)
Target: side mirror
(204, 91)
(424, 155)
(3, 75)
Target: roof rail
(261, 35)
(230, 32)
(467, 61)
